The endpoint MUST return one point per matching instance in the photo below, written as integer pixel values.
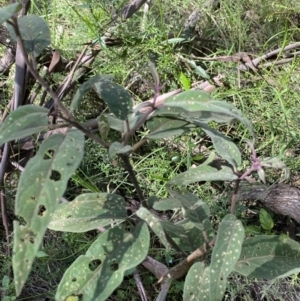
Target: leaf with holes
(8, 11)
(101, 270)
(40, 188)
(155, 224)
(269, 257)
(203, 172)
(23, 122)
(210, 283)
(163, 127)
(87, 212)
(223, 145)
(85, 87)
(117, 98)
(35, 34)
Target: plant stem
(86, 132)
(234, 196)
(129, 169)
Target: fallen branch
(280, 198)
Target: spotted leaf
(87, 212)
(101, 270)
(117, 98)
(41, 187)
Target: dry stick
(183, 267)
(3, 164)
(163, 292)
(70, 77)
(279, 62)
(268, 55)
(140, 286)
(234, 196)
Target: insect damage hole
(55, 175)
(49, 154)
(94, 264)
(41, 210)
(114, 266)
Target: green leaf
(226, 253)
(8, 11)
(266, 220)
(163, 127)
(261, 174)
(124, 150)
(196, 211)
(252, 230)
(151, 201)
(113, 149)
(188, 233)
(40, 188)
(223, 145)
(87, 212)
(175, 40)
(35, 34)
(154, 223)
(117, 148)
(23, 122)
(269, 257)
(210, 283)
(117, 98)
(185, 234)
(200, 71)
(119, 125)
(85, 87)
(185, 82)
(101, 270)
(103, 126)
(41, 254)
(274, 162)
(5, 282)
(195, 277)
(203, 172)
(167, 204)
(198, 105)
(154, 73)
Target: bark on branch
(281, 198)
